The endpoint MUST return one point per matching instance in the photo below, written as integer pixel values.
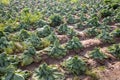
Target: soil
(112, 72)
(112, 65)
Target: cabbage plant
(28, 56)
(46, 72)
(97, 54)
(115, 50)
(75, 65)
(56, 50)
(43, 32)
(74, 44)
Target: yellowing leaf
(6, 2)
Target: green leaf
(115, 50)
(74, 65)
(44, 32)
(97, 54)
(18, 77)
(56, 50)
(56, 20)
(45, 72)
(74, 44)
(26, 60)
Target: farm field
(59, 39)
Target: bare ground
(112, 71)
